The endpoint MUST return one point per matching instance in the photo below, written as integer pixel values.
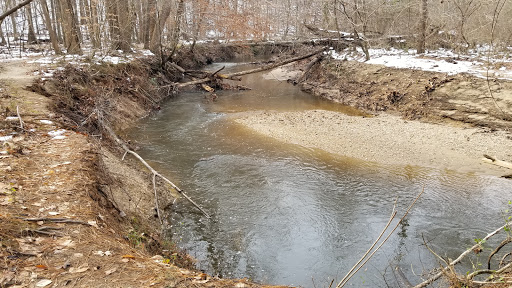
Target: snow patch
(5, 138)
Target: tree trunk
(13, 22)
(423, 27)
(156, 34)
(31, 36)
(177, 28)
(119, 22)
(2, 41)
(57, 24)
(95, 26)
(70, 27)
(150, 21)
(51, 31)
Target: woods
(74, 25)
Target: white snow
(47, 122)
(5, 138)
(56, 133)
(444, 61)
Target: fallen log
(310, 65)
(495, 161)
(252, 71)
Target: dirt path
(56, 227)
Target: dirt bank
(414, 94)
(72, 212)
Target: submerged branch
(113, 135)
(459, 259)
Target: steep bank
(414, 94)
(71, 211)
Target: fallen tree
(14, 9)
(235, 75)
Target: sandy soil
(386, 139)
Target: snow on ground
(474, 62)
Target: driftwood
(264, 68)
(155, 173)
(495, 161)
(459, 259)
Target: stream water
(287, 215)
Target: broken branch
(19, 117)
(264, 68)
(113, 135)
(345, 280)
(55, 220)
(459, 259)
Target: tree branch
(14, 9)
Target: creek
(288, 215)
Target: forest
(74, 25)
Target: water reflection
(284, 214)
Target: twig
(19, 117)
(505, 242)
(213, 74)
(155, 173)
(393, 214)
(456, 261)
(156, 200)
(55, 220)
(341, 284)
(504, 257)
(47, 231)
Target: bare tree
(49, 27)
(423, 27)
(70, 27)
(31, 35)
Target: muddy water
(287, 215)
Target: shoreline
(385, 139)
